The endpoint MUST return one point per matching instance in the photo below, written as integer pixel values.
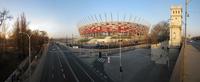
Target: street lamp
(185, 39)
(29, 49)
(120, 55)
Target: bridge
(188, 64)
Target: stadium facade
(114, 28)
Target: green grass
(84, 40)
(122, 37)
(100, 37)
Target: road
(196, 44)
(62, 66)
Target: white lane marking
(77, 64)
(61, 65)
(77, 80)
(52, 67)
(62, 69)
(52, 75)
(84, 71)
(101, 73)
(105, 77)
(59, 61)
(63, 75)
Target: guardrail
(15, 76)
(177, 71)
(17, 72)
(106, 51)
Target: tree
(3, 37)
(160, 32)
(3, 28)
(4, 15)
(196, 38)
(40, 37)
(21, 40)
(44, 37)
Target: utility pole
(185, 40)
(29, 51)
(72, 40)
(186, 14)
(120, 58)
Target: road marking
(59, 61)
(76, 63)
(63, 75)
(101, 59)
(52, 67)
(77, 80)
(62, 70)
(52, 75)
(101, 73)
(61, 65)
(84, 71)
(105, 77)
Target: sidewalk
(36, 76)
(15, 75)
(191, 64)
(189, 70)
(21, 74)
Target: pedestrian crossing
(101, 60)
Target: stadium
(105, 31)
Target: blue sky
(60, 17)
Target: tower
(175, 26)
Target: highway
(61, 65)
(196, 44)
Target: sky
(61, 17)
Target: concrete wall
(159, 52)
(176, 74)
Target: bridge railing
(178, 68)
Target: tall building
(175, 26)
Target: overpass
(187, 68)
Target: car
(189, 41)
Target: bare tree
(3, 28)
(4, 15)
(3, 37)
(44, 36)
(160, 32)
(21, 40)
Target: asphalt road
(196, 44)
(62, 66)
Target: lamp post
(120, 56)
(185, 39)
(29, 49)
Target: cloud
(53, 27)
